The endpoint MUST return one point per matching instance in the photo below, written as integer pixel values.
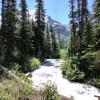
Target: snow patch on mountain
(58, 27)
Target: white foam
(48, 72)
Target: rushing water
(50, 72)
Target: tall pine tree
(97, 23)
(8, 30)
(72, 49)
(55, 44)
(39, 29)
(81, 31)
(48, 42)
(25, 45)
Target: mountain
(58, 27)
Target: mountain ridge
(58, 27)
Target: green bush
(30, 64)
(96, 82)
(63, 53)
(71, 72)
(91, 61)
(21, 76)
(92, 67)
(12, 88)
(34, 64)
(50, 92)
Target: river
(49, 73)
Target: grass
(12, 88)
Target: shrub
(71, 72)
(92, 63)
(92, 67)
(63, 53)
(50, 92)
(12, 88)
(34, 64)
(96, 82)
(30, 64)
(21, 76)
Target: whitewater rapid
(49, 72)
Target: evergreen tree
(97, 23)
(84, 20)
(89, 34)
(8, 30)
(24, 32)
(25, 42)
(39, 29)
(72, 15)
(59, 39)
(97, 10)
(62, 43)
(3, 31)
(48, 43)
(81, 31)
(33, 25)
(55, 44)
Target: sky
(57, 9)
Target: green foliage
(91, 67)
(50, 93)
(71, 71)
(52, 44)
(34, 64)
(24, 42)
(97, 23)
(97, 35)
(84, 47)
(92, 59)
(97, 10)
(61, 42)
(55, 46)
(25, 46)
(7, 35)
(21, 75)
(39, 29)
(30, 64)
(23, 61)
(95, 82)
(12, 88)
(63, 53)
(48, 42)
